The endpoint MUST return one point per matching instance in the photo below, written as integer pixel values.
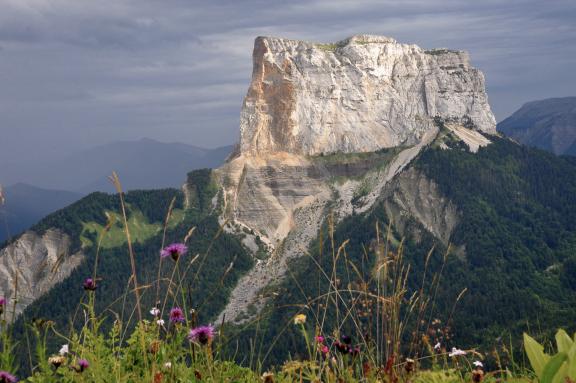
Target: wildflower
(5, 377)
(319, 339)
(89, 284)
(300, 319)
(268, 377)
(168, 365)
(324, 350)
(456, 352)
(2, 304)
(478, 364)
(160, 322)
(202, 334)
(176, 315)
(155, 311)
(477, 375)
(437, 346)
(82, 365)
(64, 350)
(57, 360)
(409, 366)
(174, 251)
(354, 351)
(342, 347)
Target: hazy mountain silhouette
(26, 205)
(142, 164)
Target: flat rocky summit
(361, 94)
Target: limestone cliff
(357, 95)
(33, 264)
(310, 110)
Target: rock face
(546, 124)
(358, 95)
(34, 264)
(311, 114)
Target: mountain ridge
(508, 210)
(548, 124)
(141, 164)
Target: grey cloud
(80, 73)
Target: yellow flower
(300, 319)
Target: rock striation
(33, 264)
(311, 112)
(357, 95)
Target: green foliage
(558, 368)
(140, 229)
(207, 282)
(518, 227)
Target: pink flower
(5, 377)
(324, 350)
(89, 284)
(320, 339)
(82, 365)
(174, 251)
(202, 334)
(176, 315)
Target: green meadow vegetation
(366, 303)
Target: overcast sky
(78, 73)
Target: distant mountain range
(26, 204)
(548, 124)
(142, 164)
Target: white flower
(160, 322)
(168, 365)
(64, 350)
(478, 364)
(155, 311)
(456, 352)
(437, 346)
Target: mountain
(403, 143)
(27, 204)
(548, 124)
(140, 164)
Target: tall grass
(372, 328)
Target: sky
(80, 73)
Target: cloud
(80, 73)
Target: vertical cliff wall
(357, 95)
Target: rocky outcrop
(413, 196)
(360, 94)
(32, 264)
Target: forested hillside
(511, 266)
(206, 281)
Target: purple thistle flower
(89, 284)
(5, 377)
(202, 334)
(176, 315)
(342, 347)
(2, 304)
(174, 251)
(82, 365)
